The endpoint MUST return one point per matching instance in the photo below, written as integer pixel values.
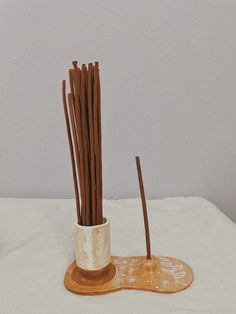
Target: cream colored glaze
(92, 246)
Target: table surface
(36, 247)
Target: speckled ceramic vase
(93, 253)
(92, 246)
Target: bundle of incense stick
(82, 110)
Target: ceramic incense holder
(95, 271)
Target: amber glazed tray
(160, 274)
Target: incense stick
(85, 145)
(76, 80)
(73, 126)
(97, 148)
(100, 138)
(145, 215)
(71, 152)
(91, 139)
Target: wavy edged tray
(160, 274)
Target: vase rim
(106, 222)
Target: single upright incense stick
(145, 215)
(71, 152)
(99, 137)
(91, 139)
(77, 105)
(97, 146)
(85, 143)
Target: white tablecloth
(36, 248)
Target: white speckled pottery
(92, 246)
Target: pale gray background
(168, 71)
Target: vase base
(160, 274)
(93, 277)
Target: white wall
(168, 71)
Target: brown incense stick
(88, 143)
(71, 152)
(91, 139)
(85, 144)
(99, 136)
(76, 80)
(145, 215)
(73, 126)
(97, 148)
